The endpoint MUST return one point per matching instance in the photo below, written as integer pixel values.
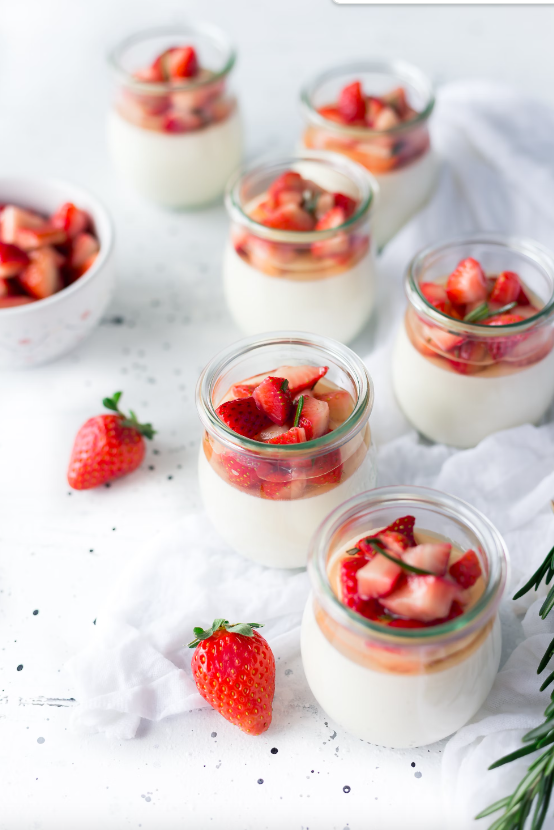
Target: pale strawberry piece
(467, 283)
(12, 260)
(474, 356)
(13, 219)
(273, 398)
(442, 339)
(325, 203)
(182, 62)
(84, 250)
(351, 103)
(251, 383)
(429, 557)
(240, 390)
(506, 288)
(397, 99)
(340, 405)
(534, 347)
(283, 490)
(242, 416)
(373, 107)
(378, 578)
(422, 598)
(466, 570)
(433, 293)
(301, 377)
(289, 181)
(270, 432)
(501, 346)
(290, 217)
(314, 417)
(150, 74)
(41, 278)
(386, 119)
(29, 239)
(70, 219)
(395, 542)
(333, 219)
(295, 435)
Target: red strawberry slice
(29, 239)
(242, 416)
(238, 473)
(12, 260)
(331, 113)
(181, 62)
(370, 609)
(405, 525)
(287, 181)
(332, 219)
(314, 417)
(301, 377)
(283, 490)
(84, 251)
(467, 283)
(422, 598)
(506, 288)
(429, 557)
(340, 405)
(41, 278)
(351, 103)
(295, 435)
(290, 217)
(434, 293)
(393, 541)
(522, 298)
(345, 203)
(501, 346)
(13, 219)
(378, 578)
(70, 219)
(327, 469)
(240, 390)
(467, 570)
(273, 398)
(474, 356)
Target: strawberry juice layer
(267, 506)
(401, 693)
(456, 388)
(327, 286)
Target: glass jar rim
(403, 70)
(318, 446)
(475, 618)
(522, 245)
(363, 179)
(213, 33)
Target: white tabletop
(58, 550)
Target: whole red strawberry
(107, 447)
(234, 670)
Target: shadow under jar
(458, 382)
(176, 140)
(399, 156)
(402, 687)
(267, 500)
(315, 280)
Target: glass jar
(458, 382)
(321, 281)
(266, 500)
(401, 158)
(402, 687)
(176, 142)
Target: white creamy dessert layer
(401, 193)
(336, 306)
(397, 710)
(461, 410)
(273, 532)
(176, 169)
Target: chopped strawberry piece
(397, 99)
(326, 469)
(12, 260)
(238, 473)
(70, 219)
(429, 557)
(433, 293)
(41, 278)
(340, 405)
(351, 104)
(386, 119)
(271, 431)
(288, 181)
(506, 288)
(393, 541)
(151, 74)
(29, 239)
(440, 338)
(290, 217)
(13, 219)
(378, 578)
(422, 598)
(467, 283)
(295, 435)
(273, 398)
(405, 525)
(182, 62)
(370, 609)
(467, 570)
(473, 354)
(332, 219)
(301, 377)
(331, 113)
(84, 250)
(240, 390)
(314, 417)
(283, 490)
(346, 204)
(522, 298)
(242, 416)
(501, 346)
(399, 623)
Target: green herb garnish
(299, 407)
(483, 312)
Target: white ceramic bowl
(42, 331)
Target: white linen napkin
(499, 175)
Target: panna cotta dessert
(400, 637)
(174, 129)
(377, 114)
(300, 254)
(41, 255)
(286, 440)
(475, 352)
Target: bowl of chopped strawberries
(56, 269)
(475, 353)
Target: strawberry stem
(246, 629)
(130, 420)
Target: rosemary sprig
(299, 408)
(483, 312)
(377, 547)
(535, 788)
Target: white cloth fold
(498, 175)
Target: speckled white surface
(57, 551)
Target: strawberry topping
(243, 416)
(506, 288)
(467, 570)
(301, 377)
(314, 417)
(467, 283)
(273, 398)
(351, 104)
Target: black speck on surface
(346, 789)
(150, 467)
(35, 612)
(413, 763)
(20, 667)
(40, 740)
(260, 780)
(418, 774)
(108, 484)
(155, 452)
(94, 622)
(114, 528)
(287, 672)
(170, 477)
(91, 550)
(214, 734)
(274, 750)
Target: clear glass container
(175, 141)
(321, 280)
(400, 158)
(402, 687)
(458, 382)
(267, 500)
